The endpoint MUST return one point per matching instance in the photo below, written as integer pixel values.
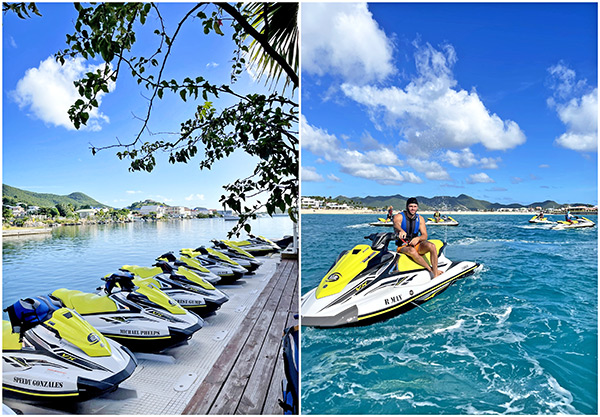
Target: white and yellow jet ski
(143, 318)
(575, 224)
(543, 220)
(382, 222)
(443, 221)
(370, 283)
(50, 353)
(181, 284)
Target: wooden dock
(246, 379)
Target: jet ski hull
(576, 224)
(399, 298)
(61, 357)
(385, 224)
(446, 222)
(150, 335)
(31, 384)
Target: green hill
(138, 204)
(14, 195)
(461, 203)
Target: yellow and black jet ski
(382, 222)
(181, 284)
(542, 220)
(50, 353)
(143, 318)
(442, 221)
(370, 283)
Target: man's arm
(398, 225)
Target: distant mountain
(462, 202)
(47, 200)
(139, 204)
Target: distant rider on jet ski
(390, 213)
(412, 237)
(569, 217)
(437, 217)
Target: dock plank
(254, 349)
(255, 394)
(204, 397)
(274, 394)
(228, 399)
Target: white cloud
(377, 164)
(563, 81)
(310, 174)
(344, 39)
(481, 177)
(544, 166)
(577, 106)
(48, 92)
(334, 178)
(431, 169)
(432, 113)
(516, 180)
(133, 192)
(212, 65)
(466, 158)
(195, 197)
(581, 119)
(13, 43)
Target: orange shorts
(401, 244)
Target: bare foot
(436, 274)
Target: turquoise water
(519, 337)
(76, 257)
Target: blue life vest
(410, 226)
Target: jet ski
(51, 353)
(211, 258)
(382, 222)
(226, 274)
(256, 246)
(575, 224)
(444, 221)
(245, 259)
(537, 219)
(370, 282)
(172, 264)
(142, 318)
(181, 284)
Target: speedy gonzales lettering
(37, 382)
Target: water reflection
(76, 257)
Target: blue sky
(497, 101)
(43, 153)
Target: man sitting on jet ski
(412, 237)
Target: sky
(496, 101)
(41, 150)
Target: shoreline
(424, 212)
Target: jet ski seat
(405, 262)
(85, 303)
(10, 340)
(143, 271)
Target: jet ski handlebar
(380, 241)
